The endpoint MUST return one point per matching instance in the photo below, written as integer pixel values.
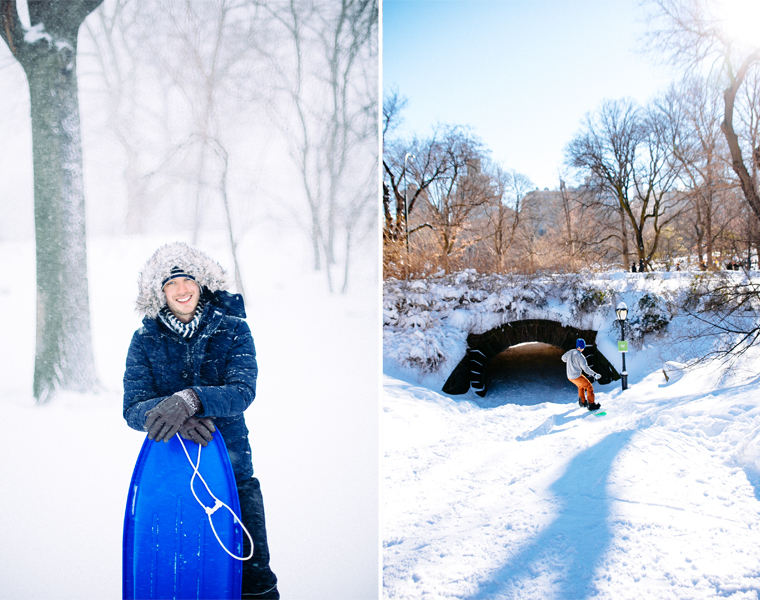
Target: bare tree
(443, 189)
(177, 74)
(47, 51)
(117, 54)
(332, 94)
(655, 175)
(748, 116)
(568, 220)
(749, 120)
(693, 114)
(606, 148)
(458, 191)
(586, 230)
(503, 210)
(408, 180)
(349, 42)
(393, 104)
(203, 53)
(693, 35)
(223, 155)
(628, 152)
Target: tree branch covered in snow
(724, 308)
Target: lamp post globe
(621, 311)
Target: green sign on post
(623, 346)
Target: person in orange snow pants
(585, 390)
(576, 366)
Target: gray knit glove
(198, 429)
(163, 421)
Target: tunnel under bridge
(483, 347)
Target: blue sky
(521, 73)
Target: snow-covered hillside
(426, 322)
(534, 497)
(67, 465)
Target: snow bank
(426, 322)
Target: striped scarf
(186, 330)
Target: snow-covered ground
(524, 494)
(66, 467)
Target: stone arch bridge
(481, 348)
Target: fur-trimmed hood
(206, 271)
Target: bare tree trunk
(709, 229)
(699, 228)
(222, 153)
(624, 240)
(330, 130)
(727, 126)
(63, 355)
(64, 352)
(347, 270)
(388, 218)
(568, 225)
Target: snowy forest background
(250, 130)
(672, 181)
(212, 115)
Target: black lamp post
(622, 313)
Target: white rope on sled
(217, 503)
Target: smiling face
(182, 296)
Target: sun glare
(740, 19)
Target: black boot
(593, 406)
(258, 579)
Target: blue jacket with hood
(218, 362)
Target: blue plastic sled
(169, 548)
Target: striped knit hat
(174, 273)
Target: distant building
(543, 210)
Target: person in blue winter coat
(191, 369)
(576, 365)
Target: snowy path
(654, 500)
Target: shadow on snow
(566, 554)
